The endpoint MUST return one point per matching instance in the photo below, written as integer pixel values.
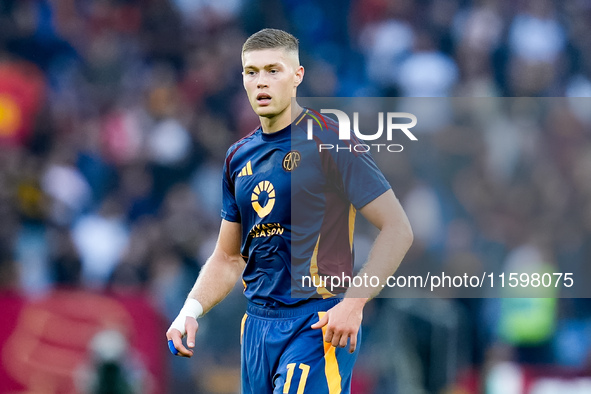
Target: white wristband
(192, 308)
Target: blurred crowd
(115, 116)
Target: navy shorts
(281, 354)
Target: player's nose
(262, 81)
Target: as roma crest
(291, 161)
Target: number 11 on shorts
(305, 370)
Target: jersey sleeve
(354, 174)
(230, 210)
(362, 180)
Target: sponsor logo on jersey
(266, 230)
(264, 188)
(246, 170)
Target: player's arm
(390, 246)
(395, 237)
(217, 278)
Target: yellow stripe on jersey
(314, 272)
(352, 213)
(242, 326)
(331, 365)
(302, 116)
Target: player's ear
(299, 76)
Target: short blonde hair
(271, 39)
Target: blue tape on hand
(173, 350)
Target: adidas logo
(246, 170)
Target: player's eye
(250, 72)
(274, 71)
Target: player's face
(270, 78)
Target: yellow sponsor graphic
(266, 230)
(267, 187)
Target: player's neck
(280, 121)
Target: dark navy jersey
(296, 205)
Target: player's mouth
(263, 99)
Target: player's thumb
(322, 322)
(191, 326)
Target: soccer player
(308, 343)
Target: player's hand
(342, 323)
(174, 335)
